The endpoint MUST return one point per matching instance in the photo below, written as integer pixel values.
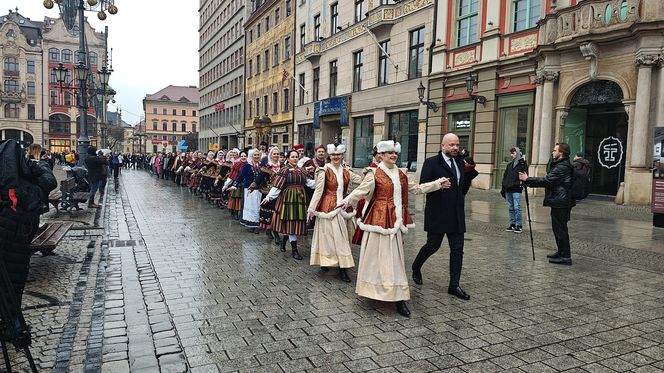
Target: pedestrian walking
(557, 186)
(290, 210)
(444, 213)
(116, 163)
(95, 166)
(381, 273)
(512, 188)
(264, 183)
(252, 200)
(330, 244)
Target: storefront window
(59, 146)
(306, 138)
(362, 141)
(460, 124)
(404, 129)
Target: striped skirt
(235, 199)
(290, 212)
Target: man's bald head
(450, 145)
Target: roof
(32, 30)
(174, 93)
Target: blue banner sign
(330, 106)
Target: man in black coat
(95, 166)
(444, 212)
(557, 194)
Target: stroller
(75, 189)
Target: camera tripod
(13, 328)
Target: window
(53, 97)
(317, 27)
(333, 78)
(265, 105)
(250, 68)
(360, 10)
(258, 107)
(251, 36)
(154, 125)
(250, 110)
(11, 86)
(276, 17)
(461, 123)
(154, 110)
(275, 102)
(416, 54)
(316, 83)
(54, 54)
(363, 141)
(12, 110)
(301, 89)
(174, 125)
(184, 113)
(54, 78)
(267, 23)
(288, 8)
(284, 138)
(334, 18)
(92, 59)
(31, 67)
(266, 64)
(258, 64)
(164, 111)
(164, 126)
(467, 22)
(193, 113)
(287, 48)
(59, 124)
(193, 127)
(286, 100)
(31, 111)
(11, 65)
(526, 14)
(357, 71)
(275, 55)
(383, 52)
(67, 99)
(66, 56)
(175, 111)
(302, 35)
(258, 30)
(403, 128)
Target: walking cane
(530, 223)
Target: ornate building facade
(269, 71)
(221, 70)
(170, 116)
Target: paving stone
(115, 367)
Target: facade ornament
(590, 52)
(548, 75)
(648, 59)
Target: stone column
(561, 114)
(660, 96)
(536, 115)
(546, 124)
(642, 110)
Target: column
(642, 110)
(660, 96)
(546, 124)
(562, 113)
(537, 112)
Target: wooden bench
(70, 198)
(49, 236)
(54, 198)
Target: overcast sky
(155, 43)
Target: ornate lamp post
(70, 10)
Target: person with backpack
(512, 189)
(557, 186)
(95, 166)
(24, 187)
(116, 163)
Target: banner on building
(333, 105)
(657, 198)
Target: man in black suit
(444, 213)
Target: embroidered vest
(381, 210)
(328, 201)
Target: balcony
(381, 16)
(13, 97)
(312, 52)
(12, 73)
(590, 17)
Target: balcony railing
(589, 17)
(13, 73)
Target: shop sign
(330, 106)
(219, 107)
(610, 152)
(213, 147)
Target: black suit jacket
(444, 210)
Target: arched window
(12, 110)
(11, 86)
(11, 65)
(155, 124)
(164, 126)
(59, 124)
(92, 59)
(175, 126)
(18, 135)
(184, 126)
(54, 54)
(67, 55)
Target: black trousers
(116, 171)
(434, 240)
(559, 219)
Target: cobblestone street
(173, 284)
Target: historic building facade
(358, 66)
(221, 70)
(531, 73)
(170, 116)
(269, 71)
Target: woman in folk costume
(157, 165)
(330, 245)
(357, 236)
(235, 195)
(252, 201)
(263, 183)
(207, 171)
(195, 178)
(381, 272)
(290, 210)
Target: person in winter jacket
(557, 186)
(512, 188)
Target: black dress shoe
(417, 276)
(458, 292)
(402, 308)
(343, 275)
(561, 260)
(554, 255)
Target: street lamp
(470, 83)
(70, 10)
(430, 104)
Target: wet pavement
(173, 284)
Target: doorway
(330, 131)
(597, 115)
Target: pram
(75, 189)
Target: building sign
(331, 106)
(219, 107)
(610, 152)
(213, 147)
(657, 198)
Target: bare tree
(115, 135)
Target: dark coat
(444, 210)
(95, 167)
(511, 182)
(557, 184)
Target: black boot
(282, 245)
(269, 234)
(343, 275)
(277, 239)
(294, 253)
(402, 308)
